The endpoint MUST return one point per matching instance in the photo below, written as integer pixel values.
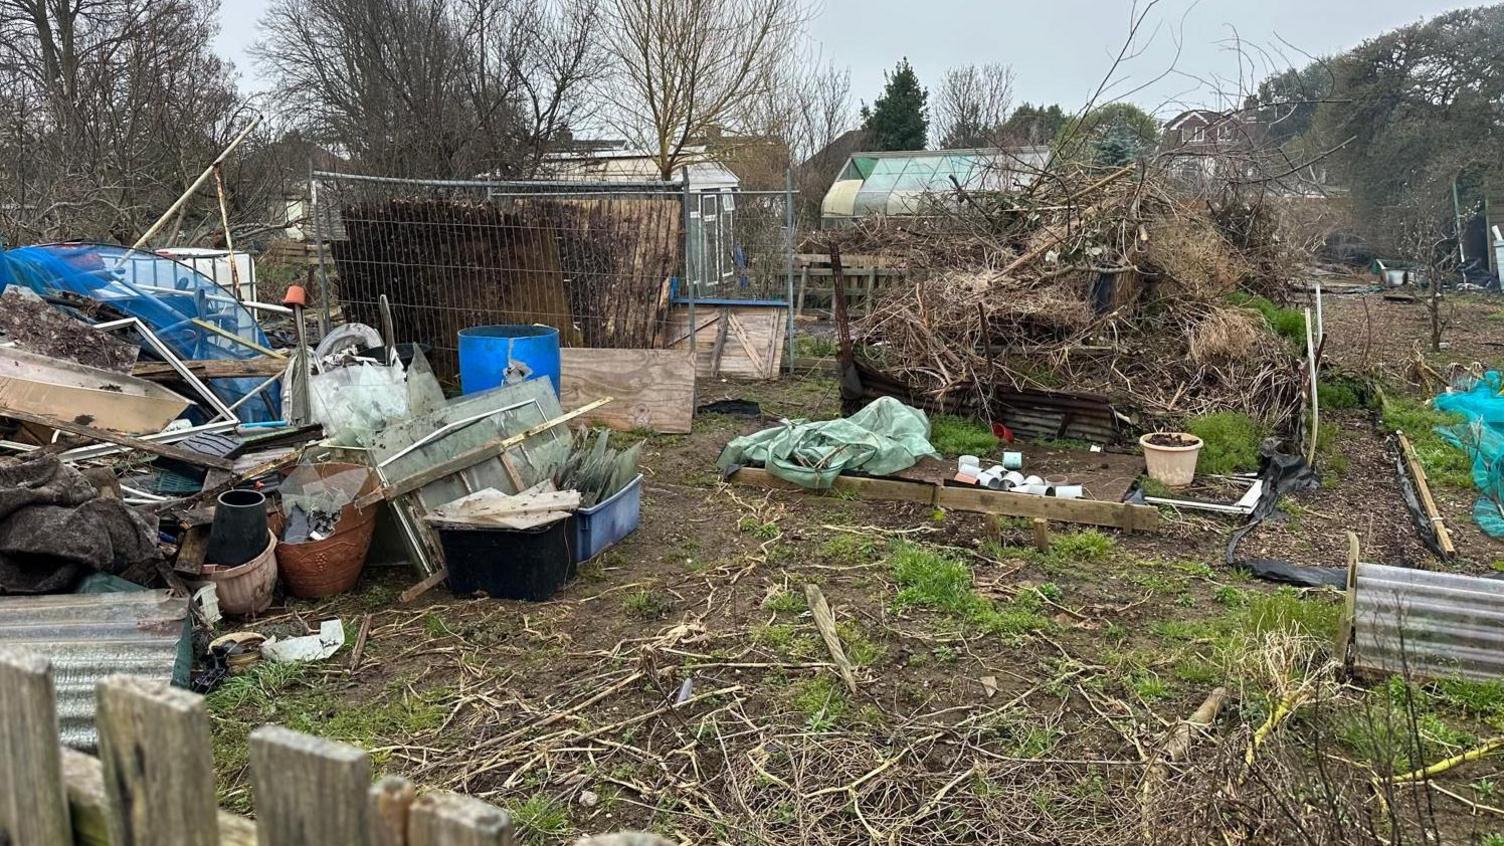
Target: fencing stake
(33, 805)
(158, 769)
(442, 818)
(788, 261)
(309, 790)
(197, 183)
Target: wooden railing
(153, 782)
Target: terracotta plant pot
(315, 569)
(245, 589)
(1174, 466)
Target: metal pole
(689, 284)
(197, 183)
(788, 264)
(318, 251)
(224, 218)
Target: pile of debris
(1085, 285)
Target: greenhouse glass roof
(894, 182)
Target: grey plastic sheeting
(90, 636)
(1427, 624)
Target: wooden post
(391, 800)
(449, 819)
(33, 805)
(309, 791)
(1041, 534)
(825, 621)
(158, 766)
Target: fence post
(689, 284)
(158, 768)
(442, 818)
(391, 801)
(318, 252)
(308, 791)
(33, 804)
(788, 258)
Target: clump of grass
(541, 819)
(785, 602)
(645, 605)
(1081, 546)
(1445, 464)
(765, 530)
(822, 702)
(808, 346)
(929, 579)
(847, 548)
(1340, 393)
(1285, 322)
(953, 435)
(1230, 442)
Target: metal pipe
(689, 284)
(523, 187)
(221, 410)
(197, 183)
(788, 267)
(259, 388)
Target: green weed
(785, 602)
(810, 347)
(1082, 546)
(931, 580)
(1230, 442)
(1338, 393)
(645, 605)
(953, 436)
(848, 549)
(1285, 322)
(541, 819)
(758, 528)
(822, 702)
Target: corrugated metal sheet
(90, 636)
(1432, 625)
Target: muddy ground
(1001, 694)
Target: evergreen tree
(898, 120)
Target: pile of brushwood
(1108, 282)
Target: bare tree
(684, 70)
(971, 105)
(434, 87)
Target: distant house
(901, 182)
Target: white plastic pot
(1172, 466)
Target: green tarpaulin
(881, 439)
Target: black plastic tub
(529, 564)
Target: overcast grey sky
(1059, 49)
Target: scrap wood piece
(654, 389)
(825, 621)
(745, 339)
(1418, 473)
(1175, 746)
(230, 368)
(428, 583)
(492, 508)
(164, 450)
(470, 458)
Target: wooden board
(654, 389)
(1088, 511)
(753, 348)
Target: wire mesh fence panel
(739, 245)
(596, 261)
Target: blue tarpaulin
(1482, 437)
(164, 294)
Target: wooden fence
(153, 782)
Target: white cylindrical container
(1015, 479)
(969, 464)
(1013, 460)
(1036, 488)
(1068, 491)
(1033, 480)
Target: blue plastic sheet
(164, 294)
(1482, 437)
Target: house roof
(1208, 115)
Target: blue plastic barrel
(487, 353)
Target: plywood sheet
(753, 346)
(654, 389)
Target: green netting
(883, 438)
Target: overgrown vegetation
(1230, 442)
(1445, 464)
(935, 581)
(954, 436)
(1286, 322)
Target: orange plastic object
(294, 296)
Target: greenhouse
(895, 183)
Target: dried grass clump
(1194, 259)
(1227, 335)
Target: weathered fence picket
(153, 783)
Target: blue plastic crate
(598, 527)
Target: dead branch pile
(1112, 284)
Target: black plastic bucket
(239, 530)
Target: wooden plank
(825, 622)
(158, 766)
(470, 458)
(428, 583)
(442, 818)
(654, 389)
(718, 349)
(84, 777)
(164, 450)
(33, 806)
(309, 791)
(749, 347)
(391, 799)
(758, 329)
(161, 371)
(1418, 473)
(234, 338)
(1085, 511)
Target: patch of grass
(1230, 442)
(807, 346)
(1288, 611)
(1082, 546)
(1446, 465)
(1149, 686)
(929, 579)
(757, 528)
(785, 602)
(859, 648)
(541, 819)
(1480, 698)
(1338, 393)
(954, 436)
(645, 605)
(848, 549)
(1229, 597)
(1285, 322)
(822, 702)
